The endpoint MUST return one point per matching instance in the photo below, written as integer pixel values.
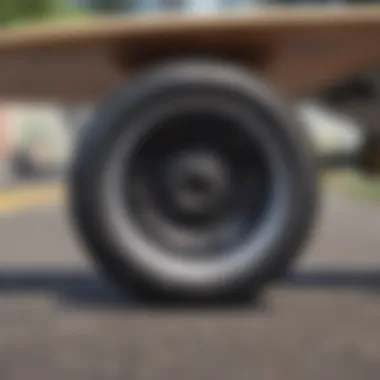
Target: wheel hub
(197, 183)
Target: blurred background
(322, 322)
(36, 141)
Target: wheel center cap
(198, 183)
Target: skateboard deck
(299, 50)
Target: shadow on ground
(75, 288)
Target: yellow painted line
(25, 198)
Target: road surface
(59, 320)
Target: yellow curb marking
(23, 199)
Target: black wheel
(194, 182)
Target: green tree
(19, 10)
(112, 5)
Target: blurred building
(163, 5)
(190, 5)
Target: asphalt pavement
(60, 320)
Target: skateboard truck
(359, 99)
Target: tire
(266, 242)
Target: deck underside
(300, 52)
